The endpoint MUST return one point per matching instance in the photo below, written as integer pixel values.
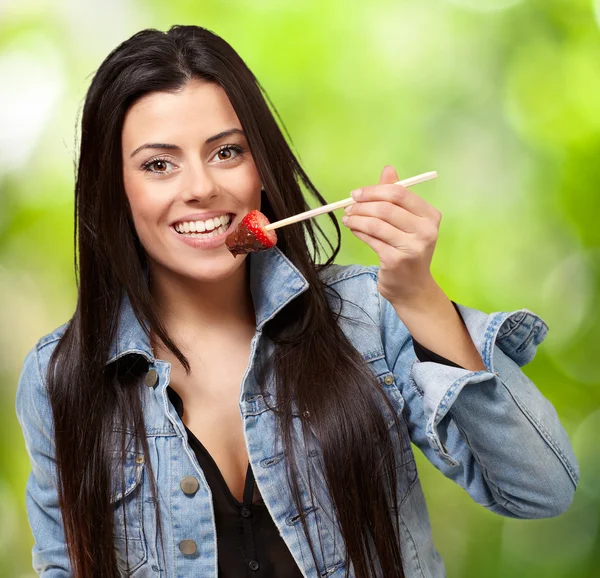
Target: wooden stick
(344, 203)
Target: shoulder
(32, 404)
(51, 339)
(46, 344)
(344, 275)
(37, 358)
(356, 287)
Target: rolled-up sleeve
(493, 432)
(49, 554)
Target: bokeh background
(501, 97)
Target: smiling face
(189, 176)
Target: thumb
(388, 175)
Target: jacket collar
(274, 282)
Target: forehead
(200, 108)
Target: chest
(210, 395)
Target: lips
(201, 241)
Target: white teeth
(214, 233)
(201, 226)
(213, 227)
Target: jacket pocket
(127, 500)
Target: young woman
(205, 415)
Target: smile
(205, 229)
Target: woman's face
(188, 176)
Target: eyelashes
(232, 147)
(148, 165)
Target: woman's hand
(402, 229)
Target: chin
(211, 270)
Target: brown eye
(159, 166)
(225, 154)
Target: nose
(198, 183)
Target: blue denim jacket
(492, 432)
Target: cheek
(146, 209)
(251, 180)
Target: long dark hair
(88, 397)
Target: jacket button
(189, 485)
(139, 459)
(245, 512)
(188, 546)
(253, 565)
(151, 378)
(388, 380)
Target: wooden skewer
(344, 203)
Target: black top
(248, 541)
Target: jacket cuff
(516, 333)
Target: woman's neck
(193, 311)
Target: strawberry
(250, 235)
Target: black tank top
(248, 541)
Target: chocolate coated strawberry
(250, 235)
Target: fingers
(378, 229)
(383, 250)
(388, 175)
(400, 196)
(400, 227)
(388, 212)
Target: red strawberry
(250, 235)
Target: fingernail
(344, 219)
(347, 209)
(356, 194)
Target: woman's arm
(434, 322)
(487, 426)
(49, 554)
(491, 431)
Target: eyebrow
(158, 145)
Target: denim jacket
(492, 432)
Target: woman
(205, 415)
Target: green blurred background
(501, 97)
